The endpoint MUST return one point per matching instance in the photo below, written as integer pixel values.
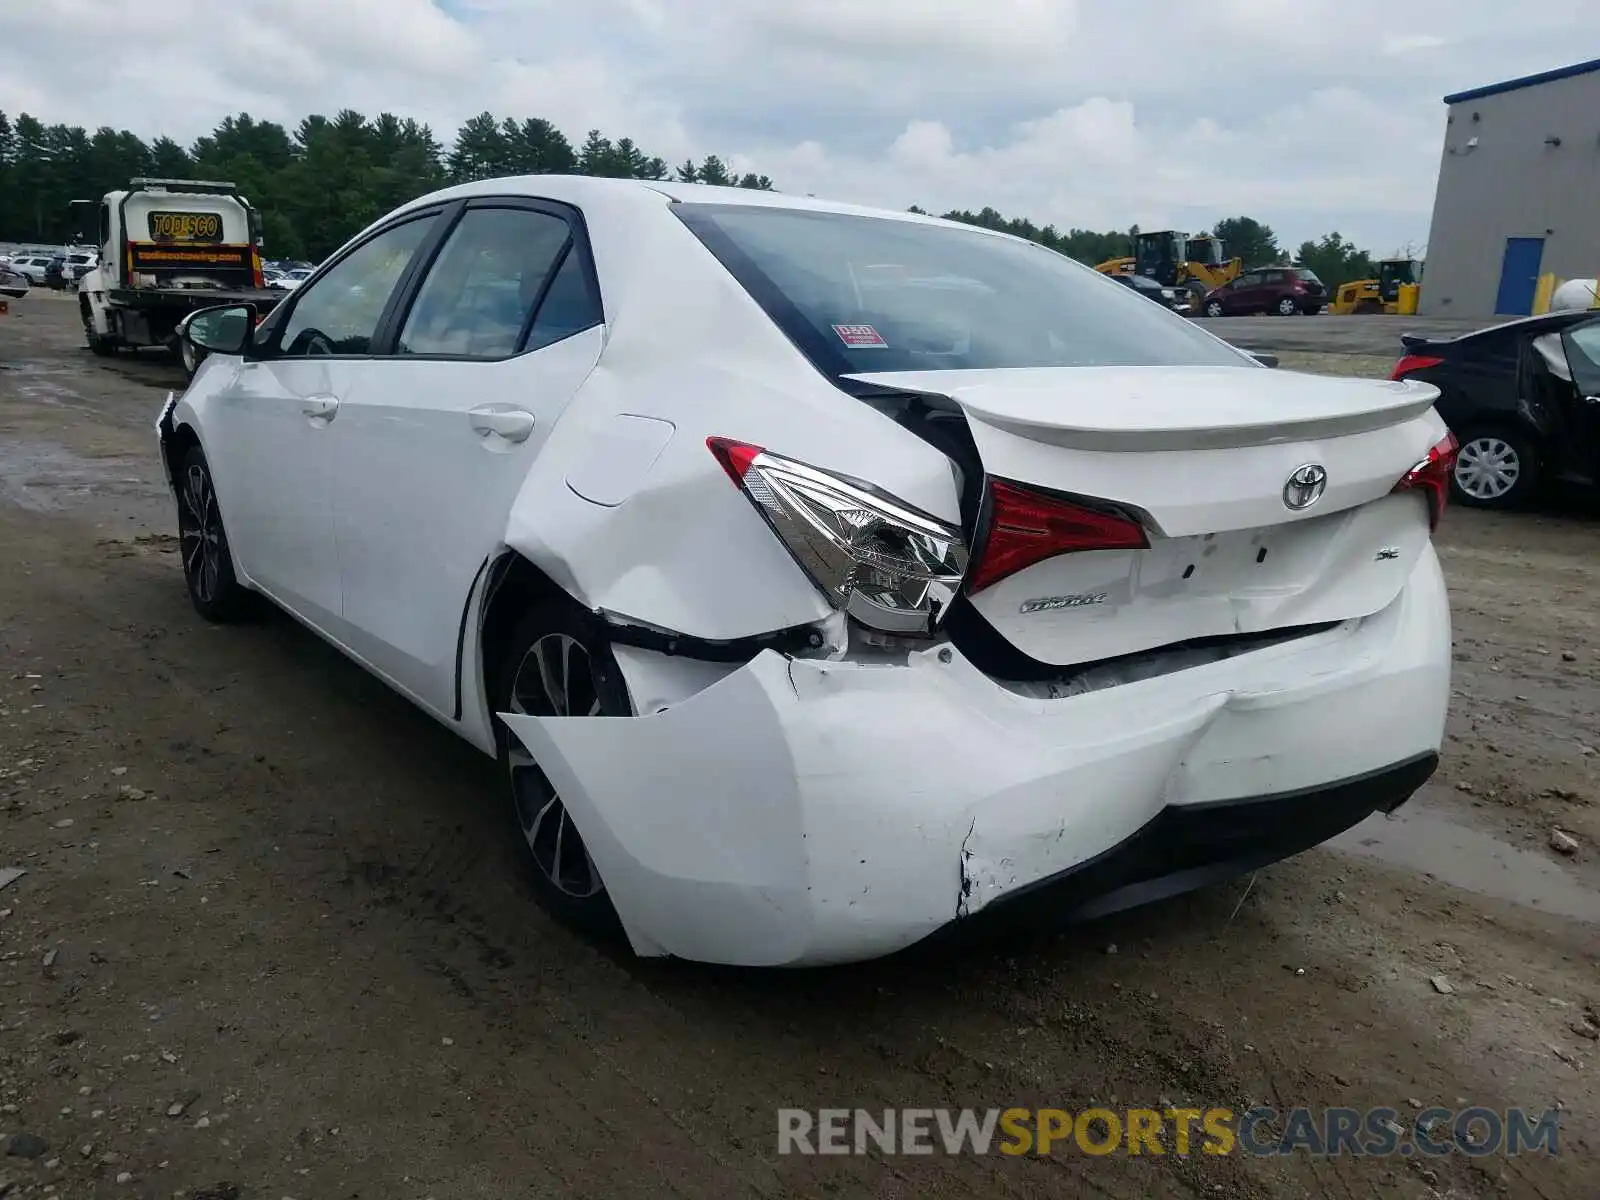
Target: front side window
(339, 313)
(481, 292)
(863, 294)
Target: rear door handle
(320, 408)
(512, 424)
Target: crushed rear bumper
(802, 811)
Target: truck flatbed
(265, 299)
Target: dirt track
(308, 935)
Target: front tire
(1213, 308)
(558, 663)
(1495, 468)
(214, 588)
(190, 356)
(99, 344)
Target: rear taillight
(1413, 362)
(1026, 527)
(888, 565)
(1431, 477)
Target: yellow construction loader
(1395, 290)
(1195, 262)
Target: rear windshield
(860, 294)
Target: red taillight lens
(735, 457)
(1413, 362)
(1026, 527)
(1431, 476)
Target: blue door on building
(1519, 277)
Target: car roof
(588, 190)
(1522, 325)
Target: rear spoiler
(1412, 341)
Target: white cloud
(1412, 42)
(1311, 115)
(999, 31)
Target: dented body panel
(801, 812)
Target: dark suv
(1281, 290)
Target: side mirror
(222, 330)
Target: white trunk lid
(1201, 456)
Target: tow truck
(167, 248)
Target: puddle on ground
(1426, 840)
(47, 477)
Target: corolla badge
(1305, 486)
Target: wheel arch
(507, 585)
(177, 439)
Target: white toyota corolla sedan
(825, 577)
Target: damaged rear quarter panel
(680, 547)
(677, 546)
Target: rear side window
(569, 306)
(1307, 274)
(482, 288)
(864, 294)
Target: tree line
(315, 186)
(1334, 259)
(331, 176)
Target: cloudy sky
(1309, 114)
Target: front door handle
(320, 408)
(1591, 399)
(512, 424)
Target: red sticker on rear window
(859, 336)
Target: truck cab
(166, 248)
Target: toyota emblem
(1305, 486)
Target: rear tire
(214, 588)
(1495, 468)
(558, 662)
(1287, 307)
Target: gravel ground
(270, 942)
(1375, 336)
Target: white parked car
(823, 577)
(34, 266)
(289, 280)
(79, 263)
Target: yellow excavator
(1196, 262)
(1395, 290)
